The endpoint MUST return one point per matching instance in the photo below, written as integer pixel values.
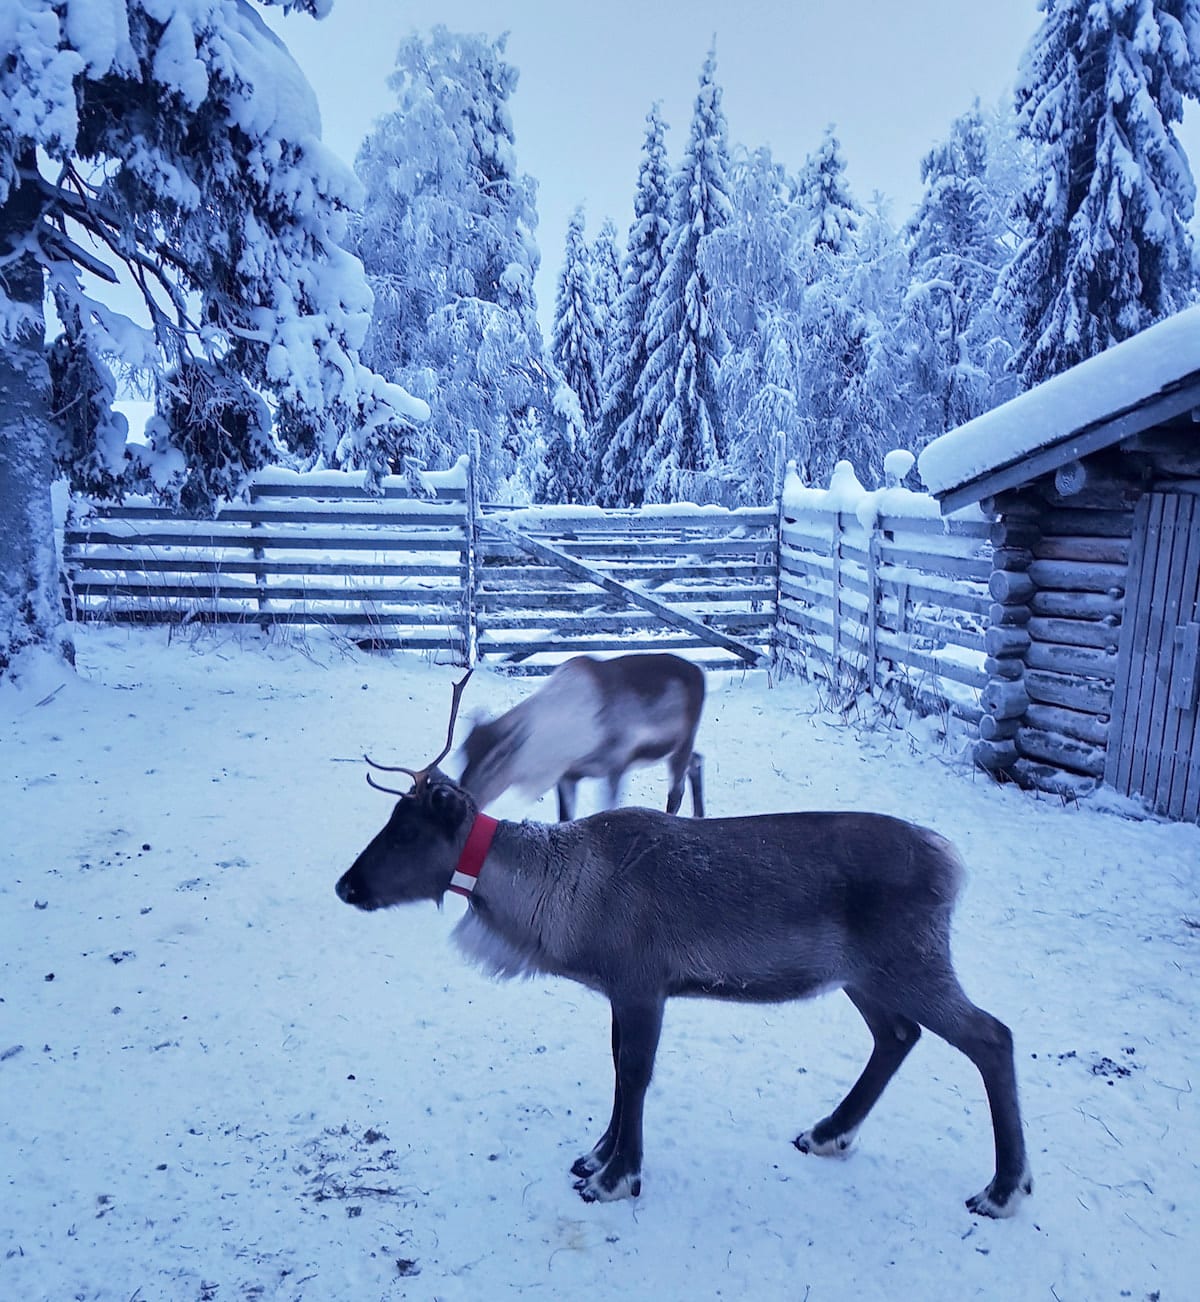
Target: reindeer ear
(447, 804)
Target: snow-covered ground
(218, 1082)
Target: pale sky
(890, 75)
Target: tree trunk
(31, 611)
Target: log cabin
(1093, 641)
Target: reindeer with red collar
(643, 906)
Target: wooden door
(1154, 740)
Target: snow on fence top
(1103, 386)
(846, 495)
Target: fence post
(779, 477)
(836, 557)
(873, 604)
(260, 564)
(471, 575)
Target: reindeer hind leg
(942, 1007)
(894, 1037)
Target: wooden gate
(557, 581)
(1154, 741)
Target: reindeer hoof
(997, 1202)
(584, 1166)
(595, 1189)
(834, 1146)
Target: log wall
(1059, 591)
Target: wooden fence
(866, 590)
(386, 571)
(519, 588)
(885, 595)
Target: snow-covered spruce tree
(447, 237)
(752, 260)
(1107, 250)
(832, 213)
(606, 283)
(678, 390)
(622, 435)
(575, 344)
(832, 328)
(563, 474)
(169, 152)
(952, 339)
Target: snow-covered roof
(1135, 384)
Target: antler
(421, 776)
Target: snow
(846, 495)
(1103, 386)
(221, 1082)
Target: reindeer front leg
(602, 1151)
(637, 1022)
(566, 799)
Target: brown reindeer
(642, 907)
(593, 719)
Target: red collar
(479, 842)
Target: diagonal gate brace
(668, 614)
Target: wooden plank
(872, 608)
(1180, 724)
(835, 552)
(899, 527)
(494, 572)
(502, 599)
(352, 492)
(937, 562)
(665, 549)
(214, 539)
(950, 595)
(384, 516)
(1159, 639)
(538, 521)
(225, 591)
(247, 565)
(941, 631)
(729, 621)
(675, 642)
(895, 649)
(341, 620)
(670, 616)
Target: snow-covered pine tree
(622, 435)
(951, 337)
(575, 344)
(169, 152)
(606, 284)
(678, 390)
(1107, 250)
(447, 237)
